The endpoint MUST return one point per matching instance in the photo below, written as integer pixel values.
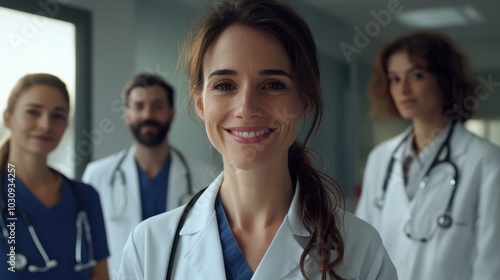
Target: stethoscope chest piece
(21, 262)
(445, 221)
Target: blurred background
(95, 46)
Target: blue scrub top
(235, 264)
(56, 230)
(154, 191)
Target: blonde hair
(19, 88)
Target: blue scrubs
(235, 264)
(56, 230)
(154, 191)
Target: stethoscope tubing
(182, 220)
(81, 220)
(444, 220)
(117, 213)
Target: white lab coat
(121, 204)
(199, 252)
(468, 250)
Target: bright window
(32, 44)
(489, 129)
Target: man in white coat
(151, 176)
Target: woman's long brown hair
(320, 197)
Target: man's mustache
(150, 122)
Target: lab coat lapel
(133, 212)
(283, 255)
(398, 155)
(204, 251)
(459, 141)
(396, 184)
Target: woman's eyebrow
(271, 72)
(223, 72)
(265, 72)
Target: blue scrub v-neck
(154, 191)
(235, 264)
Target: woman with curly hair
(433, 191)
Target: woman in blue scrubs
(254, 78)
(52, 227)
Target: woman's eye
(32, 112)
(274, 86)
(59, 116)
(393, 80)
(417, 76)
(223, 86)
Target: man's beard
(150, 138)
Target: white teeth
(251, 134)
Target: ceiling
(479, 40)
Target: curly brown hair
(440, 56)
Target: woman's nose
(248, 105)
(406, 87)
(44, 122)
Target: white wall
(161, 27)
(113, 52)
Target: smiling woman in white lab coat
(432, 192)
(254, 76)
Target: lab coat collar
(393, 144)
(287, 245)
(202, 221)
(203, 210)
(459, 141)
(199, 217)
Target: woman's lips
(250, 135)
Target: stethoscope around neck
(444, 220)
(118, 213)
(82, 227)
